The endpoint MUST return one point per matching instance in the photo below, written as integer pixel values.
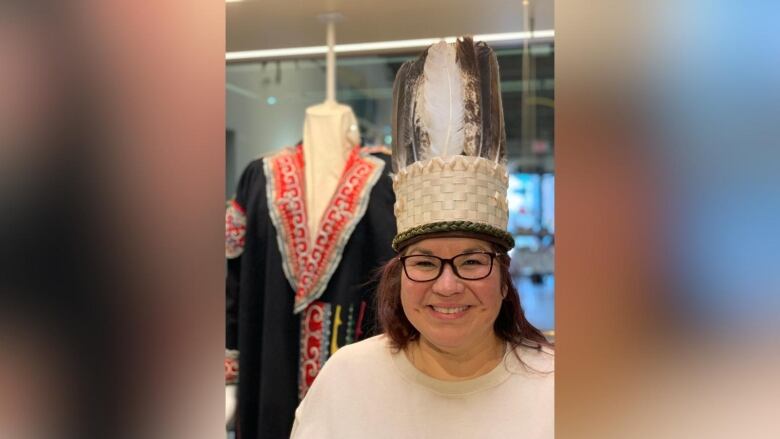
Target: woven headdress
(449, 145)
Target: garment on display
(294, 298)
(306, 230)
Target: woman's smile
(448, 312)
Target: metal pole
(330, 20)
(330, 61)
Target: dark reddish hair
(510, 325)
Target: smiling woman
(453, 315)
(457, 350)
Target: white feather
(442, 102)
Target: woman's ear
(504, 291)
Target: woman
(457, 357)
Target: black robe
(285, 334)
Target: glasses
(467, 266)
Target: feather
(472, 121)
(400, 127)
(418, 137)
(439, 104)
(403, 129)
(493, 133)
(448, 102)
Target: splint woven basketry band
(457, 194)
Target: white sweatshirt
(366, 391)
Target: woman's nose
(448, 283)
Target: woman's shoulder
(361, 354)
(377, 343)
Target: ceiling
(274, 24)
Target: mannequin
(330, 131)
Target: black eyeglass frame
(450, 261)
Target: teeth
(449, 310)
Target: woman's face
(453, 314)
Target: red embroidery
(235, 230)
(311, 345)
(310, 263)
(231, 370)
(288, 205)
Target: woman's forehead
(448, 245)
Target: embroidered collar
(309, 263)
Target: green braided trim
(500, 236)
